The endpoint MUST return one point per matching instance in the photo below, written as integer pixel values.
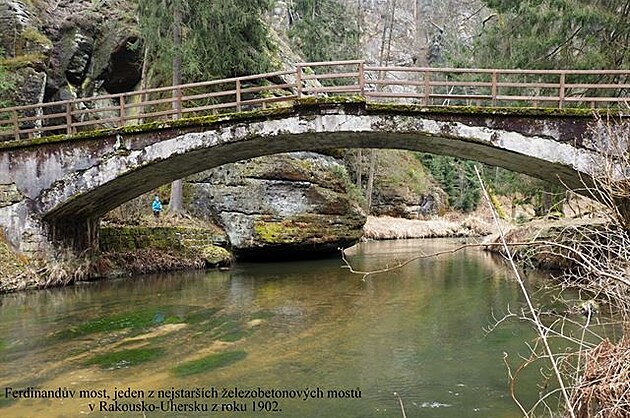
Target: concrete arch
(85, 179)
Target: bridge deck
(546, 89)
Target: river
(252, 340)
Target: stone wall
(139, 237)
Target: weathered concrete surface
(68, 185)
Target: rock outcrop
(280, 206)
(68, 49)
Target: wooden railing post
(121, 120)
(427, 88)
(561, 93)
(362, 78)
(16, 124)
(68, 118)
(238, 95)
(495, 78)
(298, 80)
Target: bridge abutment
(80, 236)
(26, 231)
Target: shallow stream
(295, 339)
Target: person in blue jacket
(156, 206)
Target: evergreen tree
(202, 40)
(218, 38)
(555, 34)
(456, 177)
(323, 30)
(550, 34)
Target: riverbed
(292, 339)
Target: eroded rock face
(31, 86)
(281, 205)
(79, 48)
(77, 67)
(14, 18)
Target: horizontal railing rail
(389, 84)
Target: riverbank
(167, 245)
(124, 251)
(386, 227)
(550, 245)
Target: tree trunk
(370, 183)
(176, 202)
(359, 168)
(143, 80)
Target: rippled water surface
(310, 329)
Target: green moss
(214, 255)
(201, 315)
(221, 325)
(318, 100)
(31, 34)
(233, 336)
(393, 108)
(262, 315)
(6, 402)
(309, 228)
(402, 174)
(135, 321)
(208, 363)
(126, 358)
(21, 61)
(281, 232)
(209, 120)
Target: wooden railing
(424, 86)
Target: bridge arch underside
(73, 206)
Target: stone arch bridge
(65, 164)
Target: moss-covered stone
(399, 109)
(299, 203)
(282, 232)
(144, 249)
(143, 237)
(201, 121)
(216, 256)
(305, 230)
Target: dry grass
(17, 273)
(386, 227)
(604, 387)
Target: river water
(250, 341)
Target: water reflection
(417, 331)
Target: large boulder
(280, 206)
